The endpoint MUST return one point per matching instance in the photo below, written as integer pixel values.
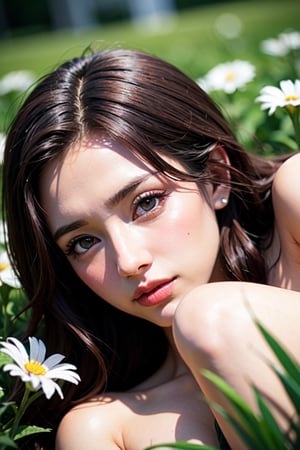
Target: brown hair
(148, 105)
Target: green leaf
(5, 442)
(4, 359)
(30, 429)
(5, 405)
(228, 391)
(291, 367)
(245, 413)
(247, 425)
(270, 424)
(291, 387)
(252, 429)
(182, 446)
(283, 138)
(249, 433)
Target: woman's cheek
(93, 274)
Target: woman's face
(138, 239)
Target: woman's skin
(124, 229)
(220, 335)
(148, 245)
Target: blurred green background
(195, 38)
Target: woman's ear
(221, 188)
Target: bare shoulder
(286, 188)
(92, 425)
(162, 411)
(287, 178)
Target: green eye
(85, 243)
(148, 203)
(80, 245)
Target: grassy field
(190, 40)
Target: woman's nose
(133, 258)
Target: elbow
(207, 323)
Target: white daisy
(18, 80)
(272, 97)
(7, 275)
(228, 77)
(291, 40)
(35, 369)
(274, 47)
(282, 45)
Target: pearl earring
(224, 201)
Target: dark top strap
(221, 438)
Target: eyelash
(159, 195)
(70, 247)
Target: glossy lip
(154, 292)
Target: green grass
(189, 41)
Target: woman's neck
(172, 368)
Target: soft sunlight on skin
(119, 231)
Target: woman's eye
(148, 203)
(81, 245)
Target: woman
(142, 231)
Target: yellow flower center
(3, 266)
(35, 367)
(230, 76)
(290, 98)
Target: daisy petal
(37, 349)
(15, 350)
(35, 381)
(72, 377)
(53, 360)
(49, 387)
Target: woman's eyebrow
(68, 228)
(116, 198)
(111, 202)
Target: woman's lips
(156, 295)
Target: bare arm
(213, 329)
(286, 200)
